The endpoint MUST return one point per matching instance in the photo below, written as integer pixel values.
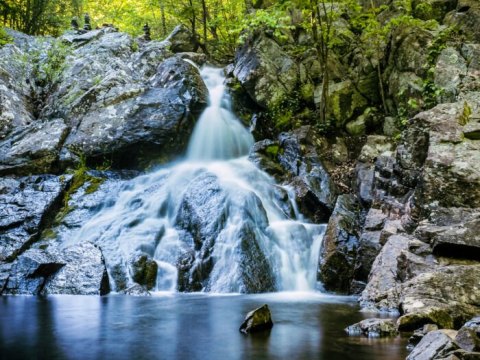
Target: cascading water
(213, 222)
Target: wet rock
(266, 72)
(257, 320)
(373, 328)
(182, 40)
(26, 207)
(84, 272)
(202, 218)
(32, 149)
(468, 337)
(339, 247)
(144, 270)
(29, 273)
(434, 345)
(136, 290)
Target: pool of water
(185, 326)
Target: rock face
(257, 320)
(26, 207)
(435, 345)
(266, 72)
(373, 328)
(77, 270)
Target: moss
(273, 151)
(464, 117)
(4, 37)
(48, 234)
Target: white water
(144, 215)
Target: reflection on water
(180, 326)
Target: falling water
(222, 191)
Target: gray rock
(468, 337)
(32, 149)
(267, 73)
(434, 345)
(373, 328)
(446, 297)
(136, 290)
(84, 272)
(26, 207)
(450, 69)
(257, 320)
(338, 251)
(201, 218)
(182, 40)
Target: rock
(390, 127)
(339, 247)
(466, 18)
(345, 101)
(433, 9)
(434, 345)
(33, 149)
(375, 146)
(450, 70)
(446, 297)
(460, 240)
(265, 155)
(136, 290)
(468, 337)
(420, 333)
(26, 207)
(76, 270)
(373, 328)
(30, 272)
(84, 272)
(383, 280)
(144, 270)
(451, 174)
(166, 109)
(201, 217)
(257, 320)
(266, 72)
(182, 40)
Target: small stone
(257, 320)
(373, 328)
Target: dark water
(184, 327)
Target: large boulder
(204, 231)
(267, 73)
(181, 39)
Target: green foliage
(4, 37)
(273, 19)
(464, 117)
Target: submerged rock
(373, 328)
(257, 320)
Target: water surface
(185, 326)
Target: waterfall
(212, 222)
